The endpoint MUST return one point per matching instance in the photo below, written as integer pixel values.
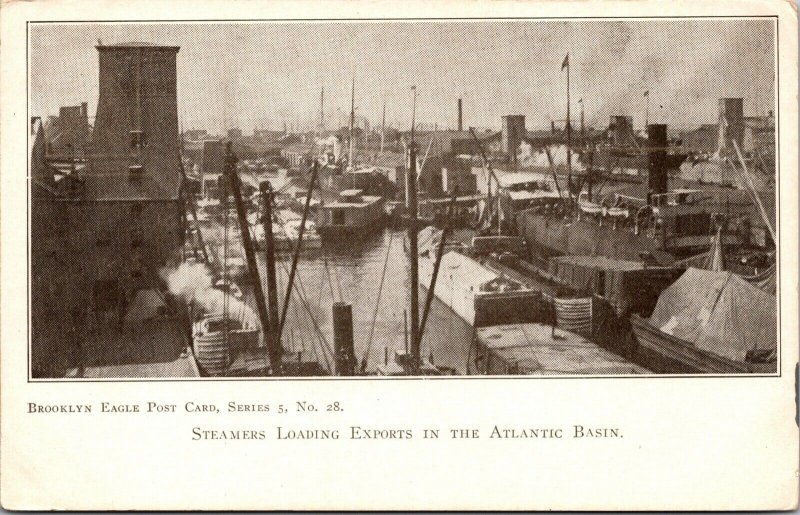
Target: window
(136, 210)
(103, 238)
(135, 173)
(137, 236)
(137, 139)
(600, 285)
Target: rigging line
(225, 277)
(302, 326)
(301, 295)
(328, 273)
(320, 336)
(377, 303)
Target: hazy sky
(260, 74)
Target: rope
(301, 296)
(225, 278)
(300, 293)
(377, 303)
(330, 281)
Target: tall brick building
(120, 218)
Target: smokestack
(731, 123)
(84, 108)
(552, 127)
(622, 130)
(460, 116)
(343, 339)
(656, 159)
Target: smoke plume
(193, 282)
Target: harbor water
(351, 271)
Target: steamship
(647, 221)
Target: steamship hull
(553, 236)
(613, 159)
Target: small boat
(279, 238)
(587, 206)
(401, 366)
(311, 238)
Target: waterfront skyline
(250, 75)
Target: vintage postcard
(372, 255)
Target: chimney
(512, 133)
(621, 130)
(656, 159)
(460, 116)
(731, 124)
(552, 127)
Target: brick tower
(136, 128)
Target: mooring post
(343, 338)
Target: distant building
(213, 157)
(195, 134)
(703, 139)
(512, 133)
(444, 143)
(730, 125)
(68, 132)
(234, 134)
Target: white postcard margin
(687, 443)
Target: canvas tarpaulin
(718, 312)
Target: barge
(478, 294)
(540, 349)
(710, 322)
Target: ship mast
(383, 124)
(352, 122)
(322, 111)
(413, 251)
(569, 130)
(274, 348)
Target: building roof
(512, 178)
(365, 200)
(136, 44)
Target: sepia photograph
(437, 198)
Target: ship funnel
(656, 159)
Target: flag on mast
(566, 61)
